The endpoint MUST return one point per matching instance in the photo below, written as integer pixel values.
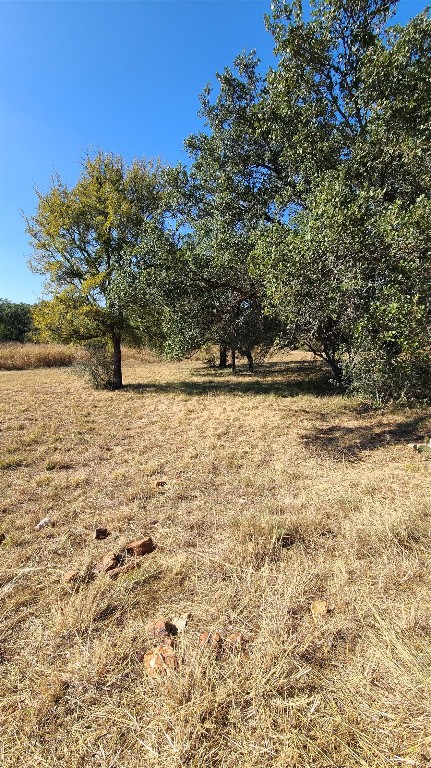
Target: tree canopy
(15, 320)
(96, 242)
(302, 218)
(340, 264)
(221, 199)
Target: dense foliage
(15, 321)
(98, 243)
(303, 216)
(219, 202)
(348, 262)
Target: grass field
(19, 357)
(279, 493)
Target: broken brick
(140, 547)
(107, 563)
(161, 630)
(122, 569)
(160, 659)
(212, 640)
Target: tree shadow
(280, 379)
(351, 443)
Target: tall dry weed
(18, 357)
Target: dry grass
(278, 493)
(19, 357)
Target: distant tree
(225, 194)
(210, 301)
(99, 243)
(15, 320)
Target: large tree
(96, 243)
(227, 192)
(347, 264)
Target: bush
(384, 376)
(15, 321)
(96, 365)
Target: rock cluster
(113, 564)
(162, 658)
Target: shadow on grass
(350, 443)
(280, 379)
(291, 379)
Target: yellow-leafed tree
(99, 244)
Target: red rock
(107, 563)
(101, 533)
(237, 643)
(122, 569)
(140, 546)
(70, 577)
(236, 640)
(160, 659)
(161, 631)
(212, 640)
(157, 628)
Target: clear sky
(120, 76)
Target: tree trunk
(335, 367)
(223, 356)
(250, 360)
(117, 378)
(329, 357)
(333, 363)
(232, 352)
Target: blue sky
(120, 76)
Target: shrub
(382, 375)
(96, 365)
(15, 321)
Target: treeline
(16, 322)
(303, 217)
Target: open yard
(278, 493)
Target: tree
(68, 317)
(15, 320)
(227, 192)
(97, 242)
(347, 265)
(216, 302)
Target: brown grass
(279, 492)
(19, 357)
